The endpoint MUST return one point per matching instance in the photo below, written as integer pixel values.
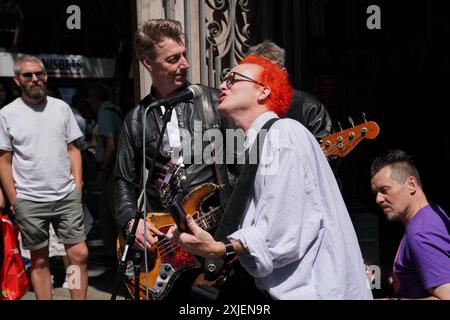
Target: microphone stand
(131, 237)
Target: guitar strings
(208, 217)
(165, 242)
(335, 148)
(332, 149)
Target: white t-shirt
(38, 138)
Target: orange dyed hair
(277, 80)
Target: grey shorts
(66, 216)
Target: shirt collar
(256, 126)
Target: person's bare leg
(40, 274)
(77, 275)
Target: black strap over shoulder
(234, 211)
(204, 107)
(242, 190)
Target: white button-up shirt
(301, 241)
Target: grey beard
(35, 93)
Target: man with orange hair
(286, 220)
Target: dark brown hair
(154, 31)
(401, 164)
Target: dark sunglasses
(29, 75)
(230, 79)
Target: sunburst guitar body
(165, 261)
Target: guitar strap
(205, 109)
(234, 211)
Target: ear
(16, 80)
(412, 185)
(147, 63)
(264, 94)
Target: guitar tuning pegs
(351, 121)
(364, 117)
(340, 127)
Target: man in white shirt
(41, 174)
(295, 236)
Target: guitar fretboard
(210, 219)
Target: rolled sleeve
(259, 261)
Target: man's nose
(223, 86)
(379, 199)
(184, 63)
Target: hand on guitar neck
(152, 234)
(200, 242)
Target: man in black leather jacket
(160, 48)
(305, 107)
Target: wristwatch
(229, 251)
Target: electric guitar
(342, 143)
(167, 262)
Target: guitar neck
(210, 219)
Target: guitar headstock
(342, 143)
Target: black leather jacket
(310, 112)
(129, 155)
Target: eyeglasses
(29, 75)
(230, 79)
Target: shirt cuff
(258, 262)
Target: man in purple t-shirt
(422, 264)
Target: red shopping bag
(13, 277)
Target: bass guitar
(167, 262)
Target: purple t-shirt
(423, 257)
